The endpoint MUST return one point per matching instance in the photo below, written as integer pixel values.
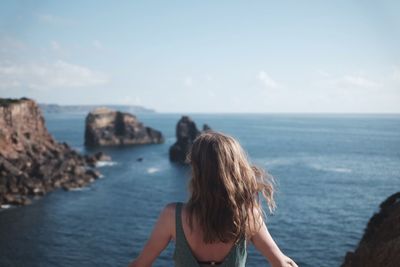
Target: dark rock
(105, 127)
(9, 168)
(206, 127)
(90, 160)
(380, 245)
(93, 173)
(100, 156)
(186, 133)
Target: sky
(205, 56)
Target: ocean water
(332, 174)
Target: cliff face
(31, 161)
(105, 127)
(380, 245)
(186, 133)
(21, 127)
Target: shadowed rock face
(105, 127)
(380, 245)
(186, 133)
(31, 161)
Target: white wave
(5, 206)
(100, 164)
(152, 170)
(330, 169)
(79, 189)
(78, 149)
(344, 170)
(279, 162)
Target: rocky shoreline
(32, 163)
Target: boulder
(186, 133)
(106, 127)
(380, 245)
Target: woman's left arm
(162, 233)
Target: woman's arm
(163, 231)
(264, 243)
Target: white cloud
(52, 19)
(128, 100)
(188, 81)
(396, 74)
(211, 93)
(209, 77)
(55, 46)
(323, 73)
(59, 74)
(358, 81)
(97, 44)
(267, 80)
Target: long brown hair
(225, 189)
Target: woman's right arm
(264, 243)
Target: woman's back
(190, 250)
(222, 213)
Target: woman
(223, 213)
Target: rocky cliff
(380, 245)
(31, 161)
(105, 127)
(186, 132)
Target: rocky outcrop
(186, 132)
(31, 161)
(106, 127)
(380, 245)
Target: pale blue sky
(204, 56)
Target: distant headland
(55, 108)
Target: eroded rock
(106, 127)
(186, 133)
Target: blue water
(332, 172)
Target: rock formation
(380, 245)
(186, 132)
(31, 161)
(105, 127)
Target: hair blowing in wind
(225, 189)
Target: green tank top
(184, 257)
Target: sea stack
(186, 133)
(380, 245)
(31, 161)
(106, 127)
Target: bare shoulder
(170, 207)
(167, 218)
(168, 212)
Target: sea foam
(152, 170)
(100, 164)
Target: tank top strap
(178, 223)
(183, 256)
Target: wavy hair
(225, 189)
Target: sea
(332, 172)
